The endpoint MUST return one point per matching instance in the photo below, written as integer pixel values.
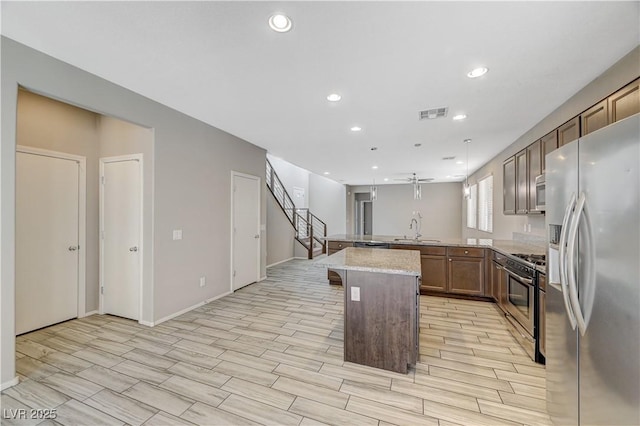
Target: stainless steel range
(522, 300)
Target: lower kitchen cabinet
(465, 272)
(433, 262)
(434, 273)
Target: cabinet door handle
(466, 252)
(449, 260)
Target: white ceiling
(219, 62)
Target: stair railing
(309, 229)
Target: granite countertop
(401, 262)
(506, 247)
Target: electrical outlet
(177, 234)
(355, 294)
(203, 281)
(528, 227)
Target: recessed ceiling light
(356, 128)
(459, 162)
(280, 23)
(334, 97)
(374, 167)
(477, 72)
(417, 145)
(374, 148)
(327, 173)
(459, 117)
(386, 179)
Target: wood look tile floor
(271, 353)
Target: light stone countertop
(506, 247)
(510, 246)
(401, 262)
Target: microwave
(540, 193)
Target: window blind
(472, 203)
(485, 204)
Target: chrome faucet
(418, 224)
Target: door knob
(73, 248)
(134, 248)
(256, 236)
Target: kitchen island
(381, 305)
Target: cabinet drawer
(424, 250)
(465, 252)
(339, 245)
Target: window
(472, 206)
(485, 204)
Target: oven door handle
(520, 278)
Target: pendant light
(466, 190)
(417, 190)
(373, 191)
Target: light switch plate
(177, 234)
(355, 294)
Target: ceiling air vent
(432, 113)
(449, 158)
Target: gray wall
(280, 234)
(327, 201)
(440, 206)
(621, 73)
(192, 180)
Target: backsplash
(533, 239)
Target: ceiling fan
(414, 179)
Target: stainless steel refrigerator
(593, 300)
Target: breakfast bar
(381, 305)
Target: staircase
(310, 230)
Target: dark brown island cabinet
(381, 305)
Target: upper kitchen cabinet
(534, 169)
(549, 143)
(569, 131)
(594, 118)
(625, 102)
(521, 182)
(509, 186)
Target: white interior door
(246, 230)
(47, 228)
(121, 252)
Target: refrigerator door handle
(564, 283)
(571, 266)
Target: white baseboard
(10, 383)
(301, 258)
(262, 278)
(282, 261)
(185, 310)
(147, 323)
(88, 314)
